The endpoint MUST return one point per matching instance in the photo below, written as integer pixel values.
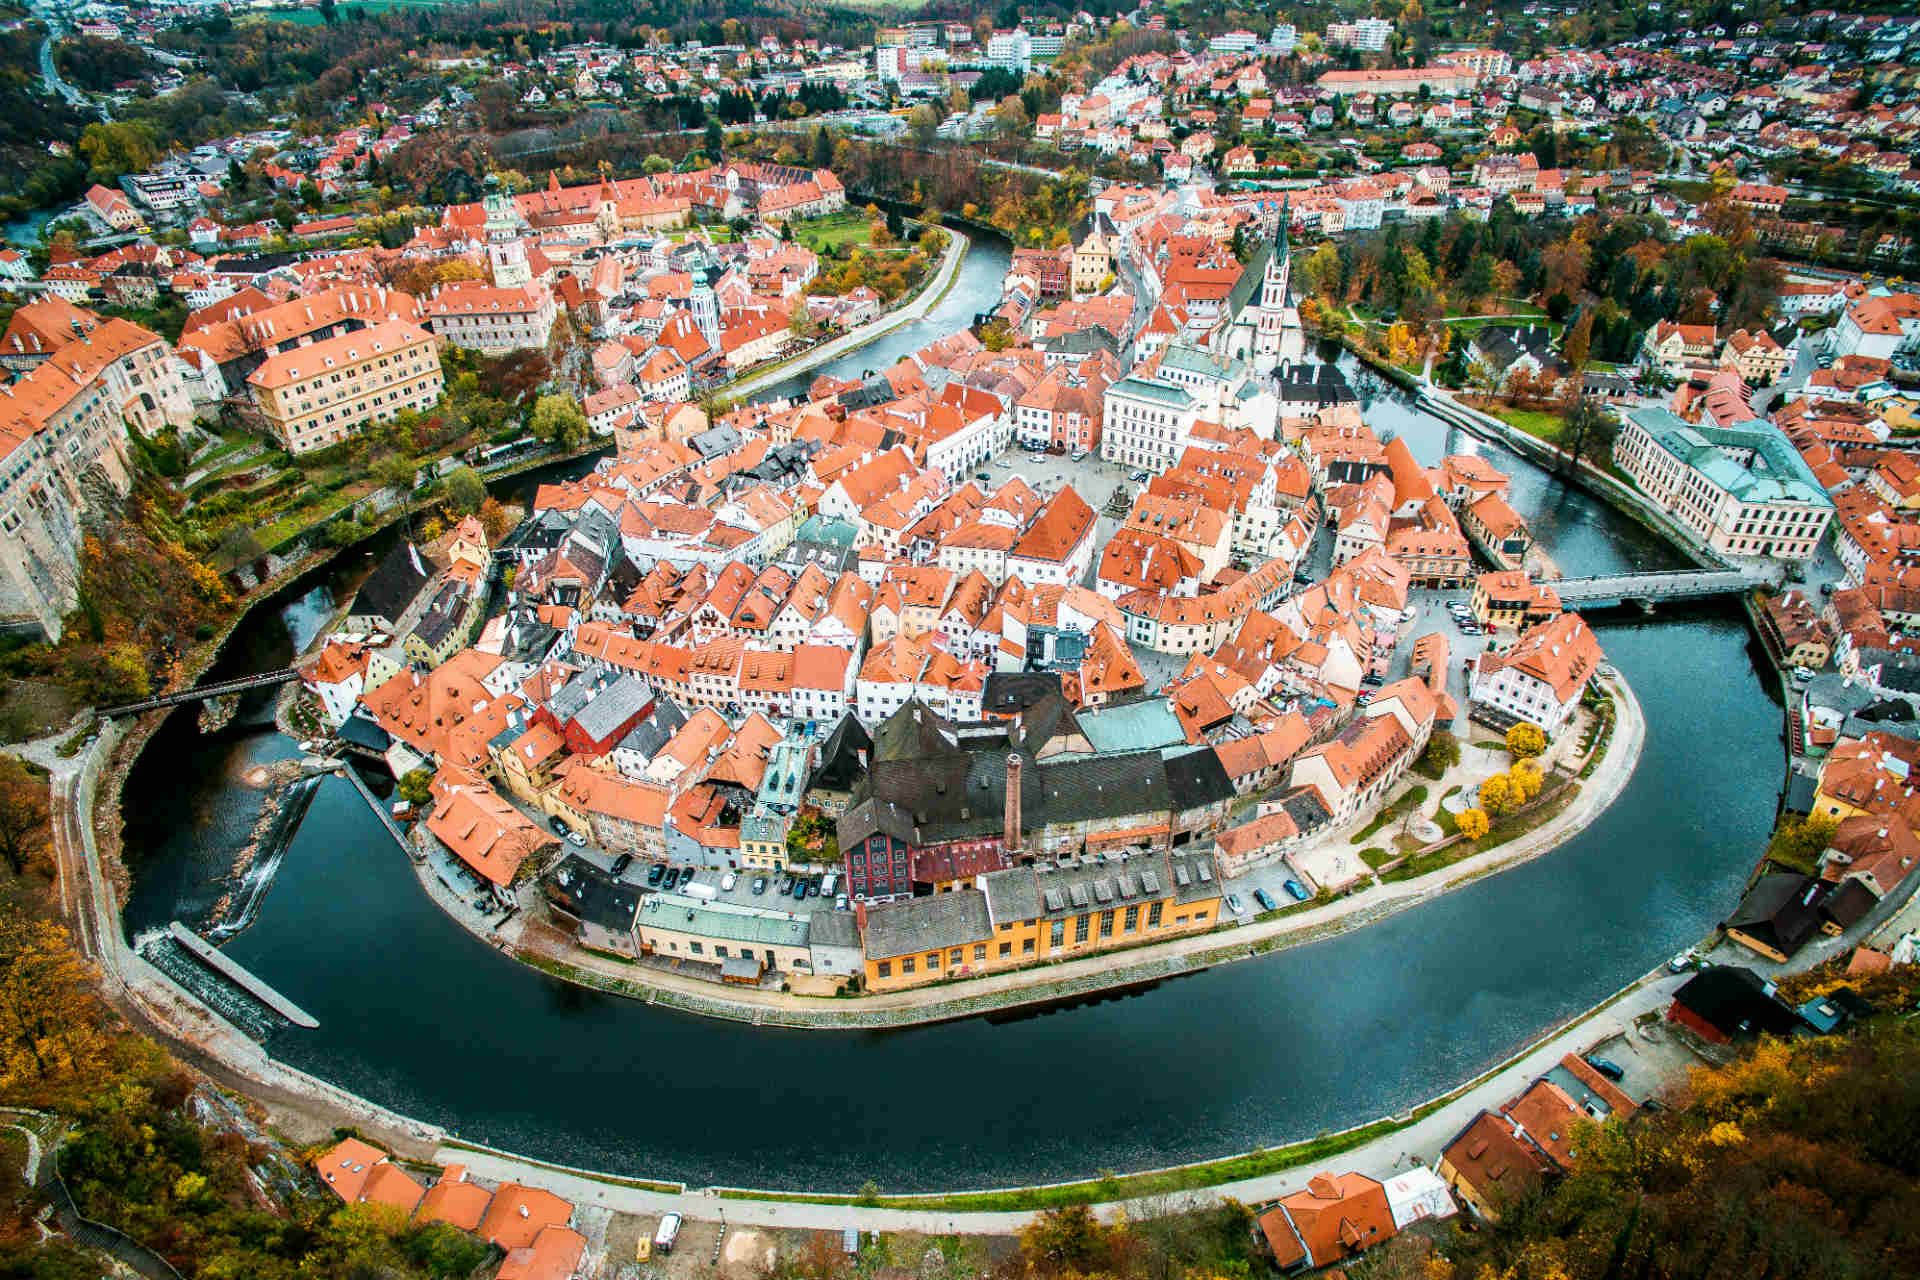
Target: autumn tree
(922, 122)
(1579, 341)
(57, 1040)
(1526, 740)
(23, 814)
(466, 491)
(1473, 823)
(495, 520)
(1497, 795)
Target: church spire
(1280, 232)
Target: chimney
(1012, 834)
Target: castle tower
(704, 303)
(505, 253)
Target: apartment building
(1540, 678)
(315, 396)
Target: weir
(211, 956)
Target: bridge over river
(1649, 588)
(203, 692)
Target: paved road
(860, 336)
(56, 26)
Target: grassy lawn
(1375, 857)
(823, 235)
(1537, 423)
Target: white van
(666, 1233)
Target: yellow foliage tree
(1526, 740)
(1496, 795)
(1474, 823)
(1526, 779)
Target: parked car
(786, 886)
(1079, 455)
(1681, 963)
(759, 885)
(1138, 477)
(728, 881)
(686, 876)
(1266, 900)
(799, 889)
(1296, 891)
(577, 840)
(1607, 1067)
(654, 873)
(621, 863)
(840, 903)
(666, 1233)
(1236, 906)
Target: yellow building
(1050, 911)
(316, 395)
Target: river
(416, 1014)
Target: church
(1259, 325)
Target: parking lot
(770, 898)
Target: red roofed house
(1338, 1216)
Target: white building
(1540, 678)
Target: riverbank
(1590, 479)
(930, 296)
(1072, 980)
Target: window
(1006, 950)
(696, 948)
(1153, 915)
(885, 968)
(1133, 919)
(906, 964)
(1106, 924)
(1059, 935)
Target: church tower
(505, 252)
(1278, 336)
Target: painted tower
(701, 298)
(505, 252)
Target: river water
(416, 1014)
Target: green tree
(416, 786)
(1441, 754)
(1587, 432)
(1799, 842)
(466, 491)
(558, 419)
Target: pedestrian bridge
(1675, 584)
(204, 692)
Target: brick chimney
(1012, 835)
